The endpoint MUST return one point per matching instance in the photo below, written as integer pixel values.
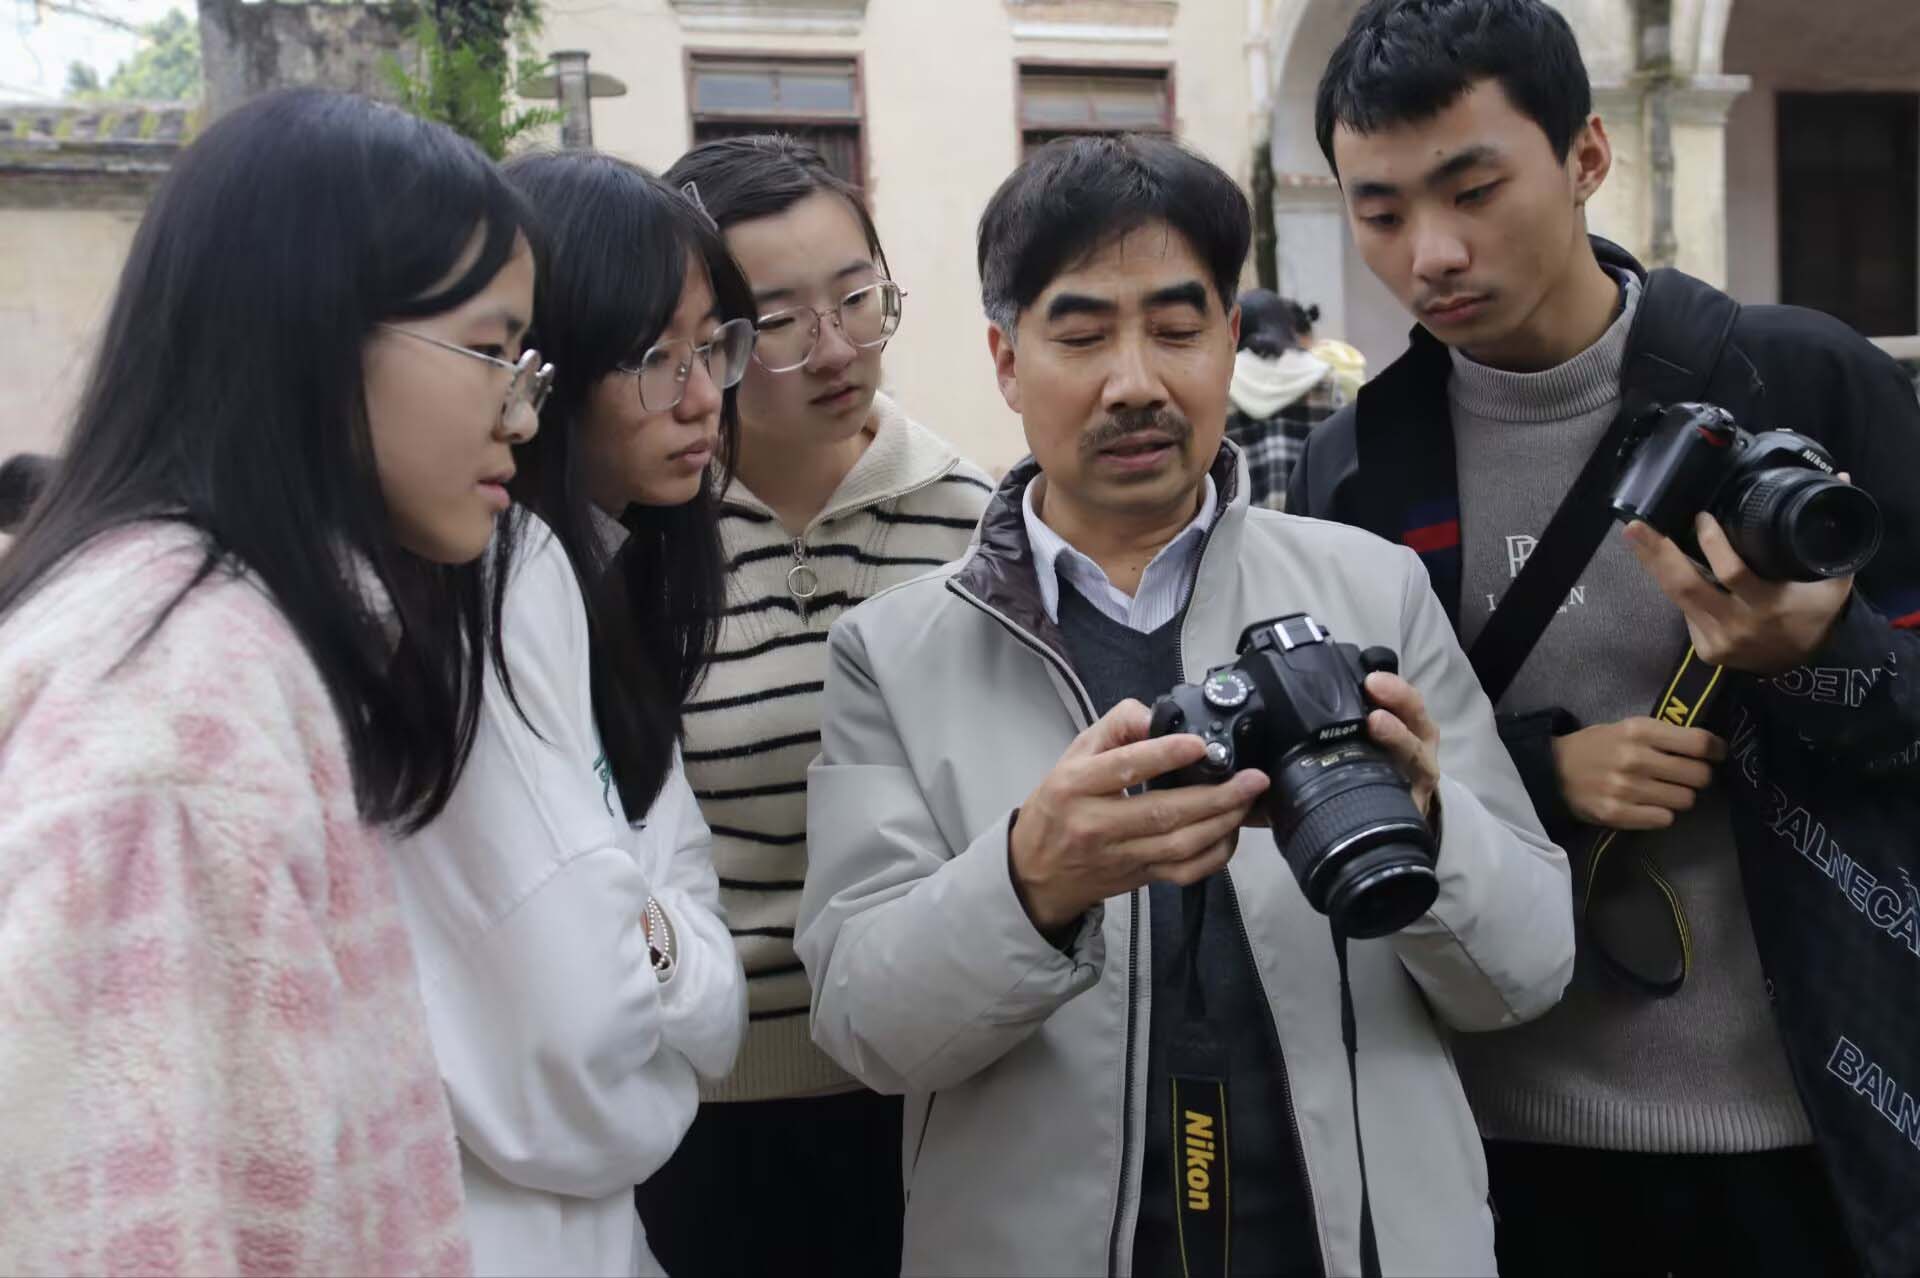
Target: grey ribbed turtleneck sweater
(1703, 1071)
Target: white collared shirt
(1163, 586)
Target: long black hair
(227, 393)
(619, 241)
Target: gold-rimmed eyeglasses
(867, 317)
(663, 371)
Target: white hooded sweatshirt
(569, 1063)
(1263, 385)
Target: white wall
(58, 268)
(941, 136)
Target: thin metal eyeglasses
(867, 317)
(663, 371)
(532, 380)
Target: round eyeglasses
(530, 383)
(867, 317)
(663, 371)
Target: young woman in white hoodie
(578, 975)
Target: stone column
(1619, 211)
(1698, 114)
(1310, 243)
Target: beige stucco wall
(941, 135)
(58, 268)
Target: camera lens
(1382, 889)
(1791, 524)
(1344, 817)
(1835, 528)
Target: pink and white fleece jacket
(213, 1053)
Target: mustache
(1133, 421)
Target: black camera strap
(1197, 1073)
(1613, 908)
(1679, 331)
(1350, 1035)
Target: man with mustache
(1116, 1057)
(1694, 1105)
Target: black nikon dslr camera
(1293, 706)
(1774, 493)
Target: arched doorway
(1314, 252)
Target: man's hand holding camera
(1080, 838)
(1745, 622)
(1402, 727)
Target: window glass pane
(731, 90)
(817, 91)
(1089, 100)
(1130, 104)
(838, 144)
(1055, 102)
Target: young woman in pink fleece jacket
(243, 629)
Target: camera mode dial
(1227, 689)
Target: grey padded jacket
(948, 699)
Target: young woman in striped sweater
(836, 495)
(241, 632)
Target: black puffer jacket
(1824, 766)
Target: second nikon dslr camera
(1293, 706)
(1785, 514)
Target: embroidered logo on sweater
(1520, 548)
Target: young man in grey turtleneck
(1625, 1132)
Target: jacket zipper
(926, 1125)
(1126, 1081)
(1133, 937)
(803, 580)
(1286, 1080)
(803, 583)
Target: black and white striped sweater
(908, 505)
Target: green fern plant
(467, 85)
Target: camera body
(1293, 704)
(1774, 493)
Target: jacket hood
(1263, 384)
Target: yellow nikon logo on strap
(1675, 712)
(1199, 1161)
